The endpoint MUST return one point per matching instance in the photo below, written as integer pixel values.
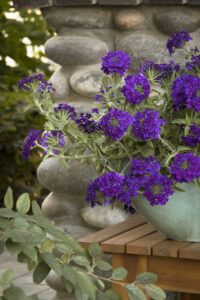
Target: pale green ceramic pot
(179, 219)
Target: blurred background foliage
(21, 37)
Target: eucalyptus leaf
(14, 293)
(146, 278)
(69, 274)
(103, 265)
(8, 199)
(81, 260)
(36, 209)
(13, 248)
(52, 262)
(155, 292)
(31, 252)
(119, 273)
(84, 284)
(100, 283)
(67, 285)
(47, 245)
(63, 248)
(7, 277)
(112, 295)
(134, 292)
(40, 272)
(95, 251)
(23, 203)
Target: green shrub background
(14, 123)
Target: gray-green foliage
(32, 239)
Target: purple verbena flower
(87, 123)
(69, 109)
(194, 63)
(109, 186)
(186, 167)
(43, 84)
(32, 136)
(193, 139)
(129, 209)
(115, 123)
(55, 135)
(146, 125)
(130, 187)
(177, 40)
(185, 92)
(98, 97)
(157, 189)
(136, 89)
(116, 62)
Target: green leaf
(119, 273)
(80, 295)
(69, 274)
(36, 209)
(8, 199)
(81, 260)
(95, 251)
(68, 286)
(112, 295)
(7, 213)
(13, 248)
(100, 284)
(40, 272)
(2, 243)
(23, 203)
(134, 292)
(155, 292)
(14, 293)
(7, 277)
(84, 284)
(103, 265)
(15, 235)
(31, 252)
(63, 248)
(47, 245)
(20, 224)
(146, 278)
(52, 262)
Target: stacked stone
(84, 35)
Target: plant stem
(164, 142)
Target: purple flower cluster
(129, 190)
(52, 134)
(163, 70)
(115, 123)
(146, 125)
(109, 186)
(43, 86)
(185, 92)
(194, 138)
(136, 89)
(157, 189)
(69, 109)
(89, 126)
(195, 60)
(177, 40)
(116, 62)
(186, 167)
(32, 136)
(98, 97)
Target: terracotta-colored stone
(128, 19)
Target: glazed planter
(179, 219)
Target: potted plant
(142, 135)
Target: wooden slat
(143, 245)
(169, 248)
(112, 231)
(118, 243)
(192, 251)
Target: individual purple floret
(147, 125)
(163, 70)
(98, 98)
(185, 92)
(52, 134)
(177, 40)
(186, 167)
(116, 62)
(32, 136)
(194, 138)
(157, 189)
(69, 109)
(115, 123)
(136, 89)
(87, 123)
(43, 84)
(130, 188)
(109, 186)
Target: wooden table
(136, 245)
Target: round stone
(142, 47)
(56, 177)
(171, 20)
(75, 50)
(84, 17)
(60, 82)
(128, 19)
(103, 216)
(86, 83)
